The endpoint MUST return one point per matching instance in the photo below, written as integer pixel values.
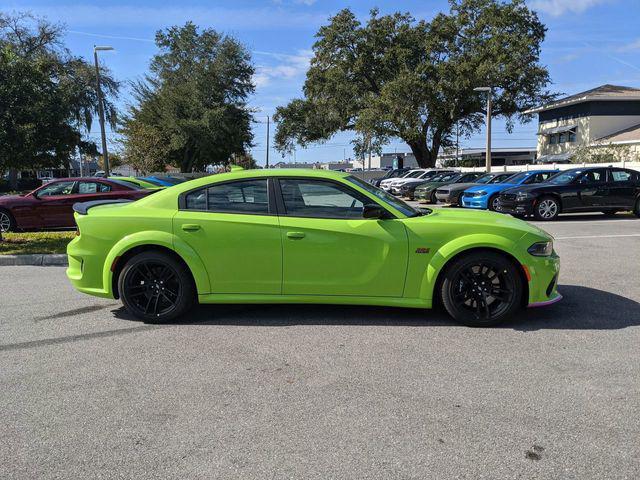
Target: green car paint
(139, 182)
(266, 258)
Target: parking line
(598, 236)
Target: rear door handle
(295, 235)
(190, 227)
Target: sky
(589, 43)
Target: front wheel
(434, 199)
(481, 289)
(7, 223)
(493, 203)
(547, 208)
(155, 287)
(636, 209)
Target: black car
(397, 172)
(598, 189)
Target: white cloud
(635, 45)
(560, 7)
(289, 66)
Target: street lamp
(105, 154)
(488, 153)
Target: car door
(234, 229)
(330, 249)
(622, 187)
(593, 189)
(55, 204)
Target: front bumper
(474, 202)
(543, 284)
(443, 197)
(515, 207)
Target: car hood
(452, 187)
(467, 217)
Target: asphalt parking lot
(329, 392)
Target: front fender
(161, 239)
(457, 246)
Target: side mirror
(373, 210)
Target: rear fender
(161, 239)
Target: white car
(422, 175)
(387, 183)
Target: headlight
(476, 194)
(541, 249)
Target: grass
(35, 242)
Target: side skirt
(315, 299)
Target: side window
(321, 199)
(538, 178)
(58, 188)
(246, 196)
(594, 176)
(93, 187)
(621, 176)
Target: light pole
(105, 154)
(488, 153)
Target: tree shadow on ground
(582, 308)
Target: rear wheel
(7, 223)
(636, 209)
(156, 287)
(434, 199)
(481, 289)
(547, 208)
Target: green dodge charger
(300, 236)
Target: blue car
(163, 181)
(486, 196)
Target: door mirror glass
(373, 210)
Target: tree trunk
(423, 154)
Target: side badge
(422, 250)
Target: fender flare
(161, 239)
(459, 245)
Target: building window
(553, 139)
(572, 135)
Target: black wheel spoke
(153, 288)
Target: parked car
(426, 192)
(413, 173)
(598, 189)
(51, 206)
(286, 236)
(427, 175)
(452, 193)
(486, 196)
(394, 173)
(140, 182)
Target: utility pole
(488, 121)
(105, 154)
(267, 164)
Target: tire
(492, 204)
(459, 200)
(547, 209)
(7, 222)
(468, 283)
(636, 209)
(155, 287)
(433, 198)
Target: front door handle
(295, 235)
(190, 227)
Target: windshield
(564, 177)
(414, 174)
(437, 178)
(485, 178)
(450, 177)
(396, 203)
(519, 177)
(501, 178)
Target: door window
(58, 188)
(594, 176)
(321, 199)
(246, 196)
(539, 177)
(621, 175)
(93, 187)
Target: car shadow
(582, 308)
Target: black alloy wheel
(482, 289)
(155, 287)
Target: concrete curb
(37, 260)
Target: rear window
(124, 183)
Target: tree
(399, 78)
(602, 153)
(48, 96)
(194, 99)
(244, 160)
(144, 147)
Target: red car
(51, 206)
